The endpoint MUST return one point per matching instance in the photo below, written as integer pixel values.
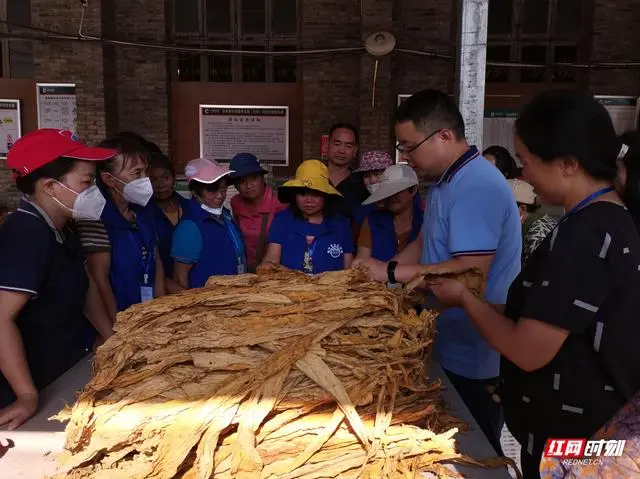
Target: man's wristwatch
(391, 271)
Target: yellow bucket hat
(314, 175)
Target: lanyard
(588, 200)
(311, 248)
(307, 263)
(146, 265)
(235, 239)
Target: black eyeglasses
(407, 151)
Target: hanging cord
(50, 35)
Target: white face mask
(373, 187)
(137, 191)
(88, 204)
(213, 211)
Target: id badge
(146, 293)
(241, 268)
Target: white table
(36, 442)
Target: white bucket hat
(523, 192)
(395, 179)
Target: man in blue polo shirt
(471, 221)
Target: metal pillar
(471, 66)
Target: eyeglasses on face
(407, 151)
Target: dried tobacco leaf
(270, 376)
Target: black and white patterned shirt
(536, 234)
(584, 278)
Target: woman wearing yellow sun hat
(310, 236)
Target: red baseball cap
(41, 147)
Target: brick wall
(616, 38)
(57, 62)
(142, 81)
(331, 84)
(339, 88)
(375, 131)
(423, 26)
(79, 63)
(121, 88)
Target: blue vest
(128, 241)
(222, 245)
(383, 234)
(164, 229)
(329, 247)
(360, 214)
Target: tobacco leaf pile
(274, 375)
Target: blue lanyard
(238, 246)
(588, 200)
(146, 265)
(312, 247)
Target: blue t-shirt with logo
(472, 211)
(332, 240)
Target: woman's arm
(529, 344)
(99, 264)
(13, 362)
(363, 253)
(172, 286)
(364, 242)
(348, 259)
(181, 274)
(160, 283)
(412, 253)
(273, 254)
(96, 311)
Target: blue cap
(244, 164)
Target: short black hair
(571, 124)
(504, 161)
(432, 110)
(531, 208)
(55, 170)
(288, 195)
(129, 149)
(345, 126)
(162, 161)
(197, 187)
(131, 136)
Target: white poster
(226, 130)
(498, 128)
(10, 126)
(57, 106)
(623, 111)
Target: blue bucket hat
(244, 164)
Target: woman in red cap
(45, 291)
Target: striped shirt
(93, 237)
